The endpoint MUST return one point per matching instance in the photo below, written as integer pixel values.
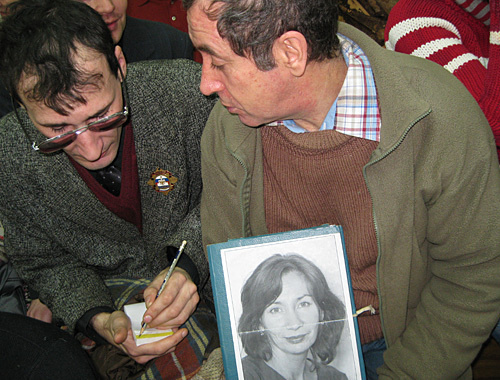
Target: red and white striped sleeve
(490, 100)
(460, 35)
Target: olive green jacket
(434, 181)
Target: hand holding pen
(167, 277)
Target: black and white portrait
(290, 310)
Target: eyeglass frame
(80, 130)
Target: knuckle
(193, 288)
(196, 297)
(168, 298)
(176, 310)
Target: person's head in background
(263, 300)
(66, 75)
(113, 12)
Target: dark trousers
(31, 349)
(373, 356)
(496, 333)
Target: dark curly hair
(39, 39)
(252, 26)
(264, 286)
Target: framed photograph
(284, 304)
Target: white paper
(135, 312)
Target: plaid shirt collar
(355, 112)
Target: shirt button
(174, 18)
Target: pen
(169, 273)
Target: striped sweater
(463, 36)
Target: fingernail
(184, 333)
(148, 319)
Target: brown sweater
(316, 178)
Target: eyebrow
(208, 50)
(95, 115)
(304, 296)
(275, 302)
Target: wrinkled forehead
(204, 9)
(203, 30)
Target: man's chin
(101, 163)
(93, 165)
(251, 122)
(246, 119)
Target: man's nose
(210, 83)
(89, 145)
(102, 6)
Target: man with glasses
(78, 198)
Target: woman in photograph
(291, 321)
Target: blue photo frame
(232, 262)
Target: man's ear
(120, 57)
(291, 51)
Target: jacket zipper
(242, 207)
(392, 149)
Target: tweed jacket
(434, 181)
(63, 241)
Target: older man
(318, 124)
